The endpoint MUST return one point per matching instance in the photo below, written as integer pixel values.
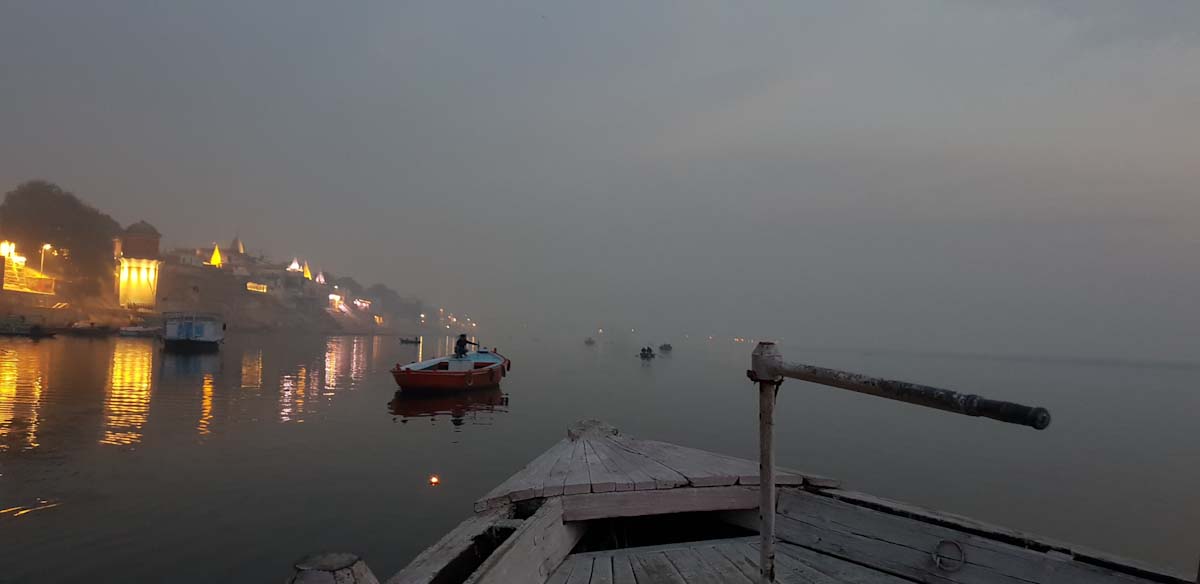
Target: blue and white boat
(195, 331)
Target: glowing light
(447, 326)
(434, 480)
(363, 304)
(295, 266)
(601, 331)
(422, 315)
(378, 320)
(256, 287)
(335, 301)
(215, 260)
(46, 247)
(320, 278)
(307, 272)
(137, 282)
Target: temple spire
(215, 260)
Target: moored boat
(589, 341)
(477, 370)
(88, 329)
(19, 326)
(193, 331)
(408, 341)
(665, 348)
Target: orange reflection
(24, 368)
(205, 405)
(252, 363)
(127, 403)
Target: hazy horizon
(969, 176)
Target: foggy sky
(984, 176)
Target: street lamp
(42, 263)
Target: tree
(38, 212)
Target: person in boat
(460, 346)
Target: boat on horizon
(477, 370)
(665, 348)
(408, 341)
(589, 341)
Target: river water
(121, 463)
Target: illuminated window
(256, 287)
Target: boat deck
(595, 458)
(726, 561)
(556, 520)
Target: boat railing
(769, 369)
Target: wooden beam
(533, 552)
(638, 503)
(428, 563)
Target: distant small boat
(665, 347)
(140, 331)
(589, 341)
(412, 341)
(193, 331)
(646, 354)
(477, 370)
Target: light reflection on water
(108, 446)
(24, 372)
(127, 401)
(138, 374)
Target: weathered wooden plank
(742, 557)
(664, 476)
(638, 503)
(721, 566)
(526, 483)
(623, 570)
(578, 479)
(702, 468)
(562, 572)
(840, 570)
(581, 571)
(605, 477)
(553, 484)
(534, 551)
(689, 565)
(904, 546)
(602, 570)
(654, 568)
(789, 569)
(625, 464)
(429, 562)
(1013, 536)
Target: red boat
(477, 370)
